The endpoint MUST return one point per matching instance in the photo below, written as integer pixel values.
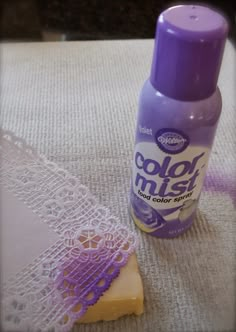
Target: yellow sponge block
(124, 297)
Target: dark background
(36, 20)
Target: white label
(166, 181)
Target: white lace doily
(55, 290)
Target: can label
(167, 178)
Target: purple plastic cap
(188, 52)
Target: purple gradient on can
(196, 119)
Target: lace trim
(56, 289)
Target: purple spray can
(179, 108)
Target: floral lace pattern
(56, 289)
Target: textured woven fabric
(76, 102)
